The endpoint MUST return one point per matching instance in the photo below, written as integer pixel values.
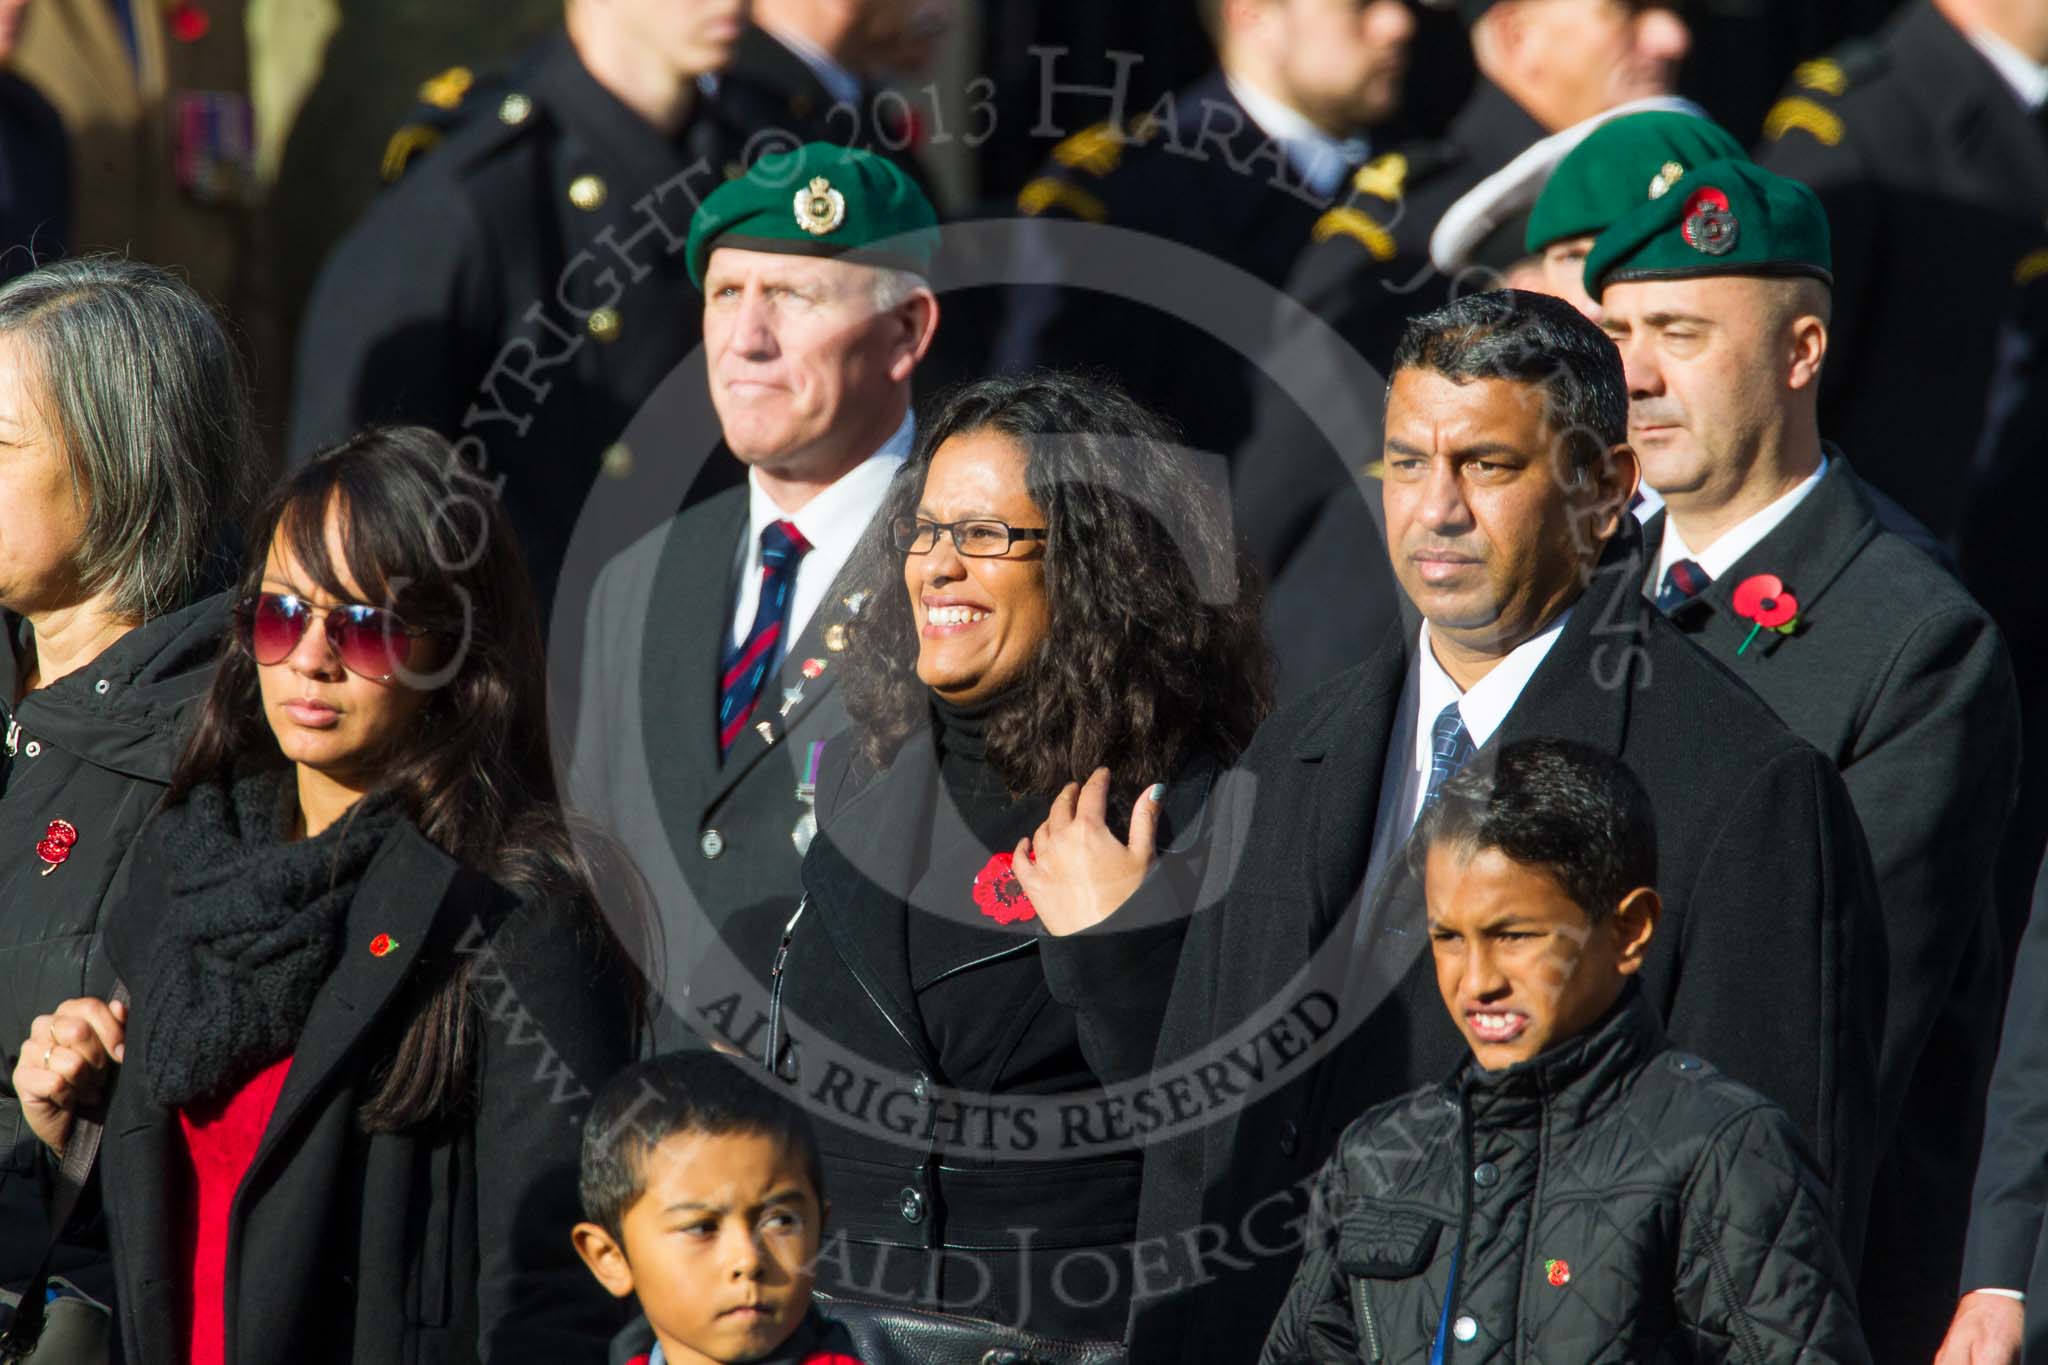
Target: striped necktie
(746, 664)
(1450, 748)
(1683, 581)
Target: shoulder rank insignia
(2032, 267)
(1095, 150)
(1384, 177)
(405, 144)
(1799, 112)
(1048, 192)
(446, 90)
(1360, 227)
(1824, 74)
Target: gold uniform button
(586, 192)
(515, 109)
(835, 637)
(604, 324)
(618, 460)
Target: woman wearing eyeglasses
(370, 991)
(1054, 616)
(126, 451)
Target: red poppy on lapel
(830, 1358)
(1762, 599)
(56, 843)
(382, 944)
(998, 894)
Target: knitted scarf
(251, 930)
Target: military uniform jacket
(1901, 679)
(1617, 1201)
(1935, 179)
(714, 836)
(1768, 957)
(521, 290)
(1198, 171)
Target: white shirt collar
(1739, 539)
(841, 84)
(832, 522)
(1490, 699)
(1320, 160)
(2027, 77)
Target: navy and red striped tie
(748, 663)
(1683, 581)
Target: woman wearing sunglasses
(1052, 599)
(126, 450)
(370, 990)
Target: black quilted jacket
(1618, 1202)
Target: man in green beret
(1769, 553)
(712, 647)
(1618, 167)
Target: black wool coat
(449, 1242)
(957, 1090)
(2009, 1206)
(713, 835)
(1769, 960)
(1935, 180)
(1618, 1201)
(94, 749)
(1902, 680)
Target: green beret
(819, 200)
(1725, 218)
(1623, 163)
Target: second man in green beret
(1772, 556)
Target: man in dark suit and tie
(1304, 994)
(710, 665)
(1769, 554)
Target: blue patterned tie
(1450, 748)
(747, 663)
(1683, 581)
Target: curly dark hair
(1156, 649)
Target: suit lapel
(394, 909)
(1807, 551)
(791, 688)
(691, 603)
(1350, 746)
(870, 852)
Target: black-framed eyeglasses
(979, 538)
(371, 642)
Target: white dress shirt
(832, 522)
(1320, 160)
(1738, 540)
(2027, 77)
(1405, 779)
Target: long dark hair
(1156, 650)
(474, 771)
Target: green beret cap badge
(1727, 217)
(1710, 224)
(820, 209)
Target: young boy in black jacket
(705, 1198)
(1578, 1192)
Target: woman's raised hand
(64, 1064)
(1074, 869)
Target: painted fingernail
(1158, 792)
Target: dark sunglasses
(979, 539)
(370, 642)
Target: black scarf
(252, 928)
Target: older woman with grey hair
(126, 449)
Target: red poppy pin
(1559, 1273)
(1762, 599)
(382, 944)
(813, 668)
(189, 23)
(999, 895)
(1709, 224)
(830, 1358)
(55, 845)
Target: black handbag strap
(74, 1173)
